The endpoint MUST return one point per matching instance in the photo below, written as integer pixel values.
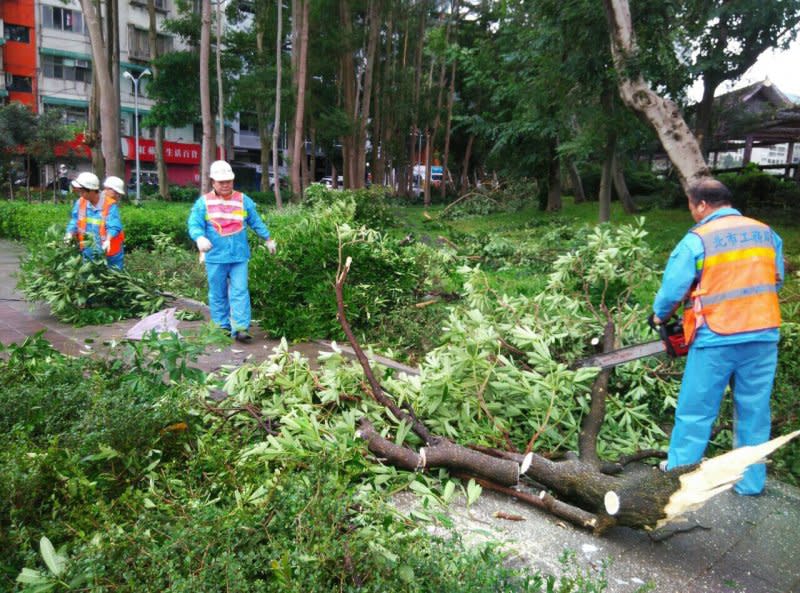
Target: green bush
(292, 292)
(28, 221)
(371, 205)
(753, 188)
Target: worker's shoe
(244, 337)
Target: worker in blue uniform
(96, 215)
(218, 225)
(728, 269)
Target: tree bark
(299, 113)
(464, 184)
(220, 95)
(208, 150)
(276, 126)
(348, 87)
(554, 179)
(606, 178)
(363, 116)
(161, 166)
(448, 127)
(577, 183)
(618, 175)
(593, 421)
(109, 108)
(662, 114)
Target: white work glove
(203, 244)
(271, 246)
(106, 245)
(67, 238)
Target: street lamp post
(135, 80)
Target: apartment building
(46, 62)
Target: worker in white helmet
(218, 225)
(114, 187)
(96, 214)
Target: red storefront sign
(175, 153)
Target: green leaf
(473, 492)
(54, 561)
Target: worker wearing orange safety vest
(218, 225)
(97, 215)
(727, 271)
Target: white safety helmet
(221, 171)
(115, 183)
(87, 180)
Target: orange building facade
(18, 49)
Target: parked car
(328, 182)
(147, 179)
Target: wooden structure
(755, 116)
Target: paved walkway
(732, 545)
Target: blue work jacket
(93, 216)
(683, 270)
(232, 248)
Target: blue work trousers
(229, 295)
(708, 372)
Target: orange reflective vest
(737, 289)
(227, 214)
(116, 242)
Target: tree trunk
(299, 113)
(208, 151)
(447, 131)
(577, 183)
(261, 107)
(554, 179)
(618, 176)
(363, 116)
(662, 114)
(92, 136)
(348, 88)
(161, 166)
(705, 108)
(606, 178)
(109, 108)
(220, 96)
(276, 127)
(427, 188)
(465, 165)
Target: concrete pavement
(732, 545)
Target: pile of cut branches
(83, 292)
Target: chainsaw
(670, 341)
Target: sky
(781, 67)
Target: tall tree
(726, 37)
(208, 150)
(661, 113)
(299, 153)
(108, 100)
(276, 126)
(161, 166)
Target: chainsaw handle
(651, 321)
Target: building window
(19, 84)
(63, 19)
(67, 69)
(139, 44)
(248, 123)
(70, 115)
(17, 33)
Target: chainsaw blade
(608, 360)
